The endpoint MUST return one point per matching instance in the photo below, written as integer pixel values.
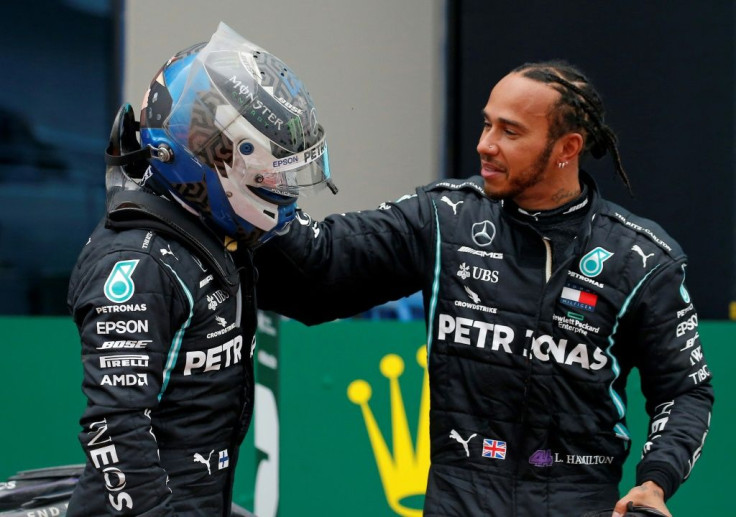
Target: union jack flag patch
(495, 449)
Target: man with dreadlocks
(540, 298)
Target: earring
(562, 165)
(491, 147)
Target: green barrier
(332, 401)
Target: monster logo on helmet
(232, 134)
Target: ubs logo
(483, 233)
(216, 298)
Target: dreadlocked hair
(579, 108)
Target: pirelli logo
(117, 361)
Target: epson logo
(117, 361)
(286, 161)
(122, 327)
(141, 343)
(689, 324)
(128, 379)
(129, 307)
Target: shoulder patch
(648, 228)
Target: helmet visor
(243, 113)
(304, 172)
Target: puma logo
(644, 258)
(449, 202)
(456, 436)
(198, 458)
(165, 251)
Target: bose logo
(143, 343)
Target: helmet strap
(125, 151)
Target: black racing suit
(527, 363)
(167, 328)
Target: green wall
(325, 462)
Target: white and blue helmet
(234, 136)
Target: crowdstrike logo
(483, 233)
(472, 294)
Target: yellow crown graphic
(404, 474)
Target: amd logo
(128, 379)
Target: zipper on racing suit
(548, 260)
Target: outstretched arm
(346, 264)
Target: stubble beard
(524, 180)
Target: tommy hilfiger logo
(576, 296)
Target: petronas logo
(683, 291)
(592, 263)
(119, 286)
(403, 473)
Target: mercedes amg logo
(483, 233)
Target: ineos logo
(114, 479)
(483, 233)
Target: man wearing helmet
(228, 139)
